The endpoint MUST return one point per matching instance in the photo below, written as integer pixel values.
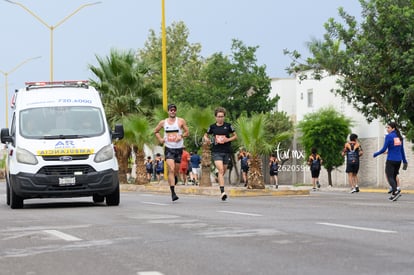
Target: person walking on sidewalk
(159, 167)
(244, 158)
(397, 178)
(315, 164)
(274, 170)
(394, 143)
(175, 130)
(195, 161)
(352, 150)
(223, 134)
(149, 168)
(185, 158)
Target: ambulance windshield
(61, 122)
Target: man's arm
(185, 128)
(233, 137)
(157, 132)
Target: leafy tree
(279, 130)
(374, 59)
(236, 82)
(326, 130)
(215, 76)
(183, 62)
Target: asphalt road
(327, 232)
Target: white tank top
(170, 134)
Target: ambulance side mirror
(118, 133)
(5, 136)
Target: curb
(372, 190)
(215, 191)
(235, 191)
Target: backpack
(274, 167)
(160, 165)
(352, 153)
(316, 163)
(244, 162)
(148, 165)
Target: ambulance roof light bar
(56, 84)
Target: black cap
(170, 106)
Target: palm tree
(122, 82)
(198, 122)
(122, 153)
(251, 132)
(138, 132)
(124, 90)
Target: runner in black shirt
(222, 134)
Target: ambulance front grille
(66, 170)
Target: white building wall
(294, 100)
(285, 88)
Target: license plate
(67, 181)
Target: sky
(272, 25)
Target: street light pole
(51, 27)
(164, 57)
(6, 88)
(164, 68)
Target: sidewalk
(237, 191)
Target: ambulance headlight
(24, 156)
(106, 153)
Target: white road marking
(62, 235)
(149, 273)
(238, 232)
(241, 213)
(154, 203)
(38, 250)
(357, 227)
(41, 228)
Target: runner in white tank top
(171, 133)
(175, 130)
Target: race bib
(220, 139)
(397, 141)
(172, 137)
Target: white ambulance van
(59, 145)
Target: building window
(310, 98)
